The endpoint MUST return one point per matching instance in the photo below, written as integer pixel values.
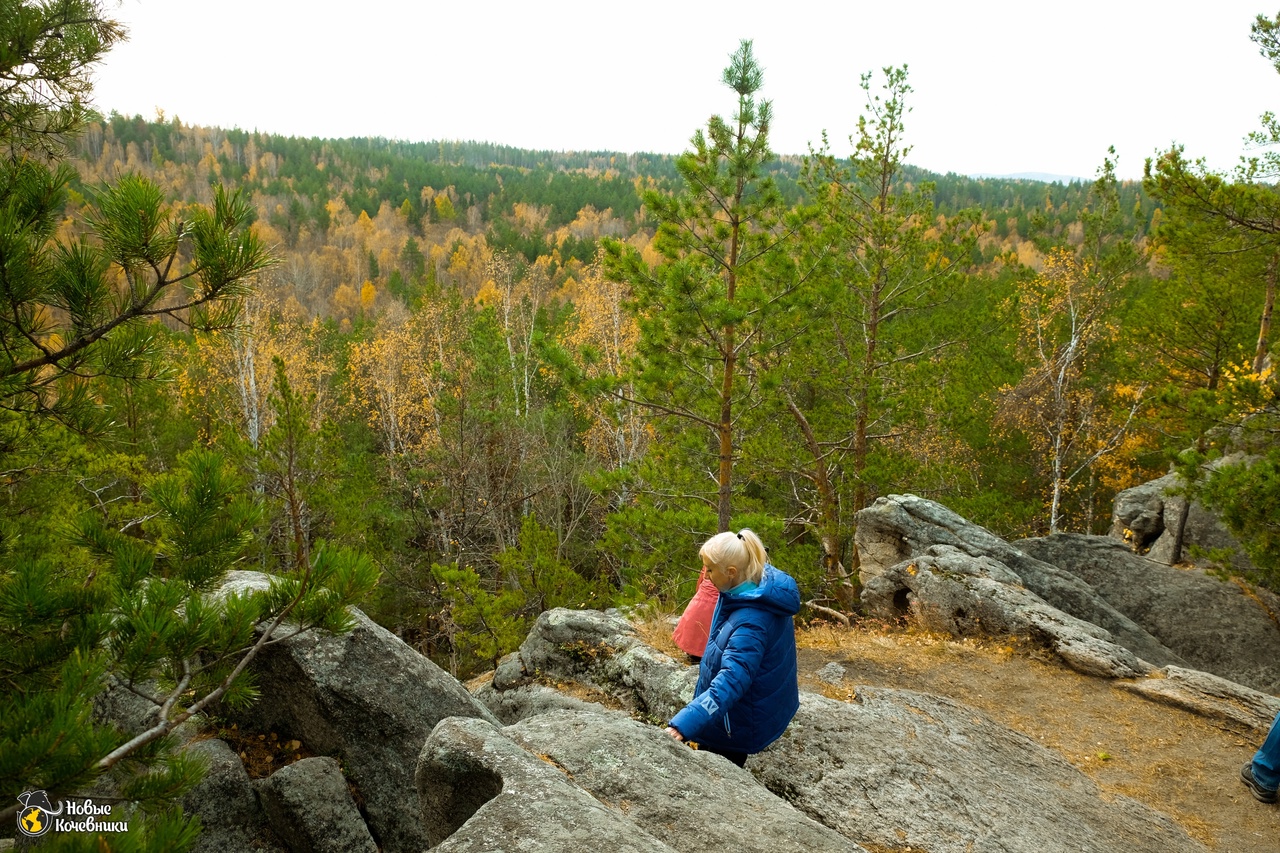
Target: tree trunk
(1055, 503)
(828, 516)
(1264, 329)
(248, 387)
(861, 450)
(729, 354)
(1089, 500)
(1180, 534)
(725, 430)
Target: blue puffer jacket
(747, 691)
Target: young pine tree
(704, 309)
(133, 604)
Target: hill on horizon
(1042, 177)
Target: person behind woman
(695, 623)
(747, 691)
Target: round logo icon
(36, 815)
(33, 822)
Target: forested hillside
(446, 310)
(512, 380)
(484, 359)
(293, 181)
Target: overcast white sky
(1000, 87)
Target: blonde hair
(743, 550)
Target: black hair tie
(739, 535)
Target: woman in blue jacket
(747, 691)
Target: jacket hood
(777, 592)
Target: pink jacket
(692, 629)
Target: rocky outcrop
(479, 791)
(529, 700)
(895, 532)
(1138, 514)
(952, 592)
(583, 762)
(1215, 625)
(602, 651)
(1104, 610)
(1147, 518)
(231, 818)
(128, 710)
(893, 770)
(1233, 706)
(512, 695)
(901, 770)
(365, 698)
(692, 801)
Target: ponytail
(742, 549)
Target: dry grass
(476, 682)
(655, 630)
(585, 694)
(262, 754)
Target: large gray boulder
(530, 700)
(309, 806)
(1146, 518)
(1138, 514)
(126, 709)
(692, 801)
(897, 529)
(479, 791)
(231, 818)
(901, 770)
(1219, 626)
(366, 698)
(601, 650)
(512, 695)
(954, 593)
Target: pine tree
(705, 308)
(883, 260)
(47, 52)
(133, 604)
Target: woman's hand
(675, 734)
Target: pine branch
(167, 725)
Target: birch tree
(1072, 412)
